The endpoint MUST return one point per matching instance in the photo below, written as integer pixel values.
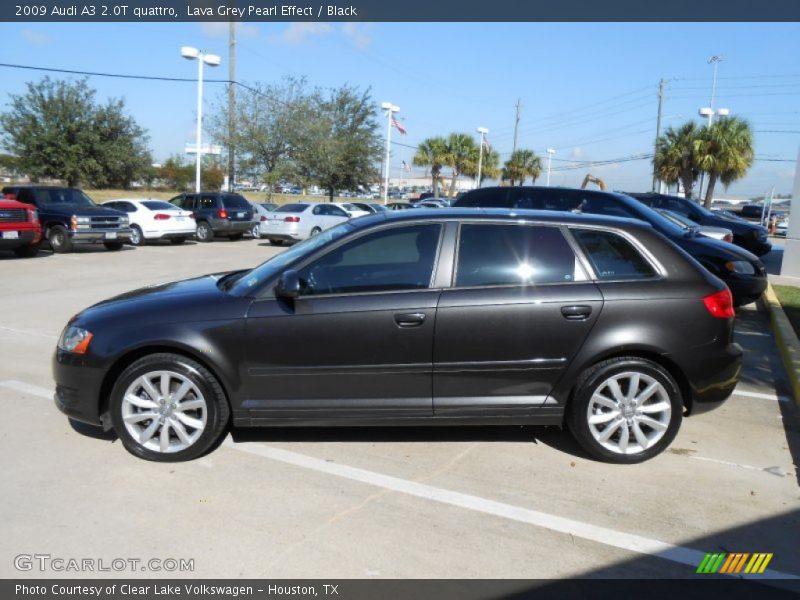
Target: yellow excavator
(592, 179)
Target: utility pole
(661, 85)
(231, 103)
(516, 123)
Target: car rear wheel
(625, 410)
(168, 408)
(59, 239)
(28, 251)
(255, 232)
(137, 237)
(204, 232)
(315, 231)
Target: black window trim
(267, 291)
(590, 275)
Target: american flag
(406, 167)
(398, 126)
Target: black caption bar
(405, 11)
(383, 589)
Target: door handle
(579, 312)
(409, 319)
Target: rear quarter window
(612, 256)
(235, 201)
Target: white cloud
(297, 33)
(359, 33)
(219, 29)
(35, 38)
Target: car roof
(500, 214)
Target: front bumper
(25, 238)
(78, 387)
(758, 246)
(98, 236)
(746, 289)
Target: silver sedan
(300, 220)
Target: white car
(153, 219)
(261, 212)
(353, 210)
(300, 220)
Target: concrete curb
(786, 340)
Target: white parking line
(33, 333)
(587, 531)
(760, 396)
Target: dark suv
(69, 217)
(218, 213)
(435, 317)
(743, 272)
(750, 236)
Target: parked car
(752, 212)
(300, 220)
(260, 217)
(20, 230)
(430, 203)
(352, 209)
(718, 233)
(742, 271)
(217, 213)
(399, 206)
(782, 227)
(451, 317)
(368, 207)
(69, 217)
(152, 220)
(750, 236)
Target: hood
(699, 244)
(83, 211)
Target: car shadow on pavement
(93, 431)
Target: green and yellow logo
(735, 562)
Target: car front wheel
(625, 410)
(168, 408)
(59, 239)
(204, 232)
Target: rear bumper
(97, 236)
(167, 235)
(226, 227)
(712, 376)
(78, 386)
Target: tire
(315, 231)
(137, 237)
(59, 239)
(113, 246)
(623, 444)
(204, 232)
(255, 232)
(177, 241)
(235, 237)
(202, 424)
(28, 251)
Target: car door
(519, 309)
(358, 341)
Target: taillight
(720, 304)
(161, 217)
(291, 219)
(73, 222)
(263, 218)
(728, 238)
(222, 213)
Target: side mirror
(288, 285)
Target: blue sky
(588, 90)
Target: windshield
(54, 196)
(159, 205)
(254, 278)
(645, 213)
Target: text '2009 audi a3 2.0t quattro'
(446, 317)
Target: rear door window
(494, 254)
(208, 201)
(612, 256)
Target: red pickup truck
(20, 229)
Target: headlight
(83, 220)
(742, 267)
(75, 339)
(124, 220)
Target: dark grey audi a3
(420, 317)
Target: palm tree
(490, 168)
(461, 157)
(432, 153)
(674, 159)
(725, 151)
(521, 165)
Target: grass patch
(789, 297)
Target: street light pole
(483, 131)
(212, 60)
(390, 110)
(550, 152)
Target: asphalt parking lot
(521, 502)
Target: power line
(115, 75)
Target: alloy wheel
(629, 412)
(164, 411)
